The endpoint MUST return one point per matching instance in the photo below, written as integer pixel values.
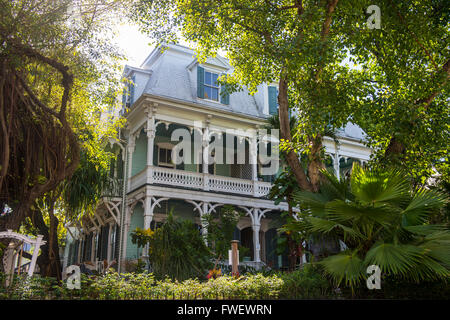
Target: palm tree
(381, 221)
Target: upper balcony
(220, 153)
(200, 181)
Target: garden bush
(138, 286)
(306, 283)
(176, 249)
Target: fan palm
(381, 221)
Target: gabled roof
(172, 74)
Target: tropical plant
(220, 230)
(176, 249)
(381, 221)
(306, 283)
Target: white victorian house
(169, 95)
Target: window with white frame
(211, 86)
(165, 157)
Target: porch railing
(196, 180)
(113, 187)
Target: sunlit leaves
(382, 222)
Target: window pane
(211, 169)
(169, 155)
(214, 79)
(215, 94)
(207, 92)
(162, 155)
(207, 77)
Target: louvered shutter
(124, 98)
(200, 82)
(69, 256)
(273, 100)
(132, 85)
(117, 243)
(224, 95)
(104, 243)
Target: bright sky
(134, 44)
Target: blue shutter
(224, 95)
(273, 100)
(132, 85)
(237, 234)
(200, 82)
(124, 98)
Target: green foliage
(141, 236)
(176, 250)
(129, 286)
(306, 283)
(391, 81)
(382, 222)
(220, 230)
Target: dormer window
(208, 88)
(211, 86)
(128, 93)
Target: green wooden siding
(139, 154)
(137, 220)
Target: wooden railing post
(234, 257)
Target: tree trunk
(285, 133)
(48, 260)
(292, 256)
(315, 163)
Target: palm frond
(312, 202)
(334, 188)
(345, 267)
(419, 208)
(372, 186)
(328, 226)
(395, 259)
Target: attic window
(208, 88)
(211, 86)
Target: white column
(336, 165)
(151, 132)
(254, 163)
(37, 245)
(256, 226)
(125, 230)
(148, 212)
(205, 144)
(336, 161)
(131, 146)
(204, 226)
(256, 244)
(148, 217)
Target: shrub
(176, 250)
(130, 286)
(306, 283)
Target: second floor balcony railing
(200, 181)
(113, 187)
